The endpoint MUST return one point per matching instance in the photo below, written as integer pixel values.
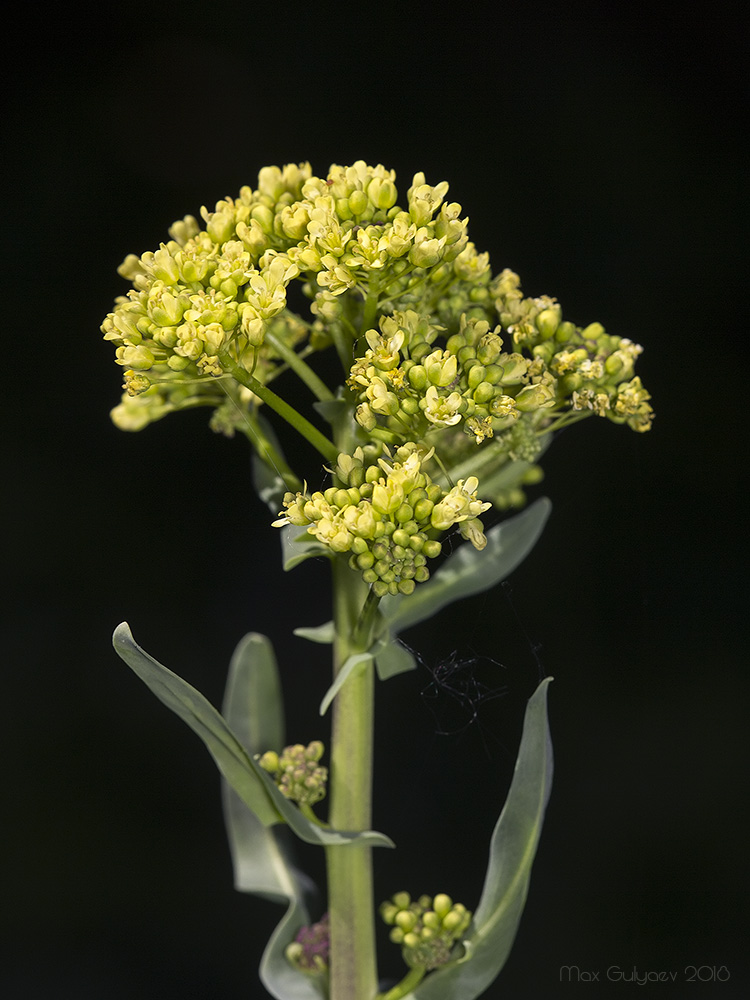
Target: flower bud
(532, 397)
(138, 358)
(548, 321)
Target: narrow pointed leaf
(253, 704)
(512, 849)
(468, 570)
(348, 667)
(252, 707)
(391, 657)
(324, 633)
(241, 770)
(191, 706)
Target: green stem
(371, 304)
(299, 367)
(303, 426)
(342, 345)
(353, 969)
(565, 420)
(253, 431)
(412, 978)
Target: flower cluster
(297, 772)
(211, 292)
(427, 929)
(311, 947)
(588, 368)
(435, 349)
(480, 379)
(386, 515)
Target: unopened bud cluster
(427, 928)
(386, 515)
(297, 772)
(311, 947)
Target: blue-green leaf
(335, 411)
(190, 705)
(468, 570)
(241, 770)
(297, 545)
(324, 633)
(252, 707)
(391, 657)
(277, 974)
(512, 849)
(348, 667)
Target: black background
(600, 156)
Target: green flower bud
(476, 375)
(139, 358)
(382, 193)
(426, 252)
(358, 202)
(406, 920)
(593, 331)
(548, 321)
(418, 378)
(270, 762)
(532, 397)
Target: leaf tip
(122, 635)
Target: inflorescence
(297, 772)
(427, 929)
(455, 380)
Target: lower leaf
(512, 849)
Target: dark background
(600, 156)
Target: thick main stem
(353, 971)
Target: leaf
(324, 633)
(512, 849)
(190, 705)
(252, 707)
(277, 974)
(297, 545)
(241, 770)
(348, 667)
(391, 657)
(468, 570)
(334, 411)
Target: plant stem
(371, 304)
(300, 368)
(301, 424)
(412, 978)
(353, 970)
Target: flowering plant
(453, 385)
